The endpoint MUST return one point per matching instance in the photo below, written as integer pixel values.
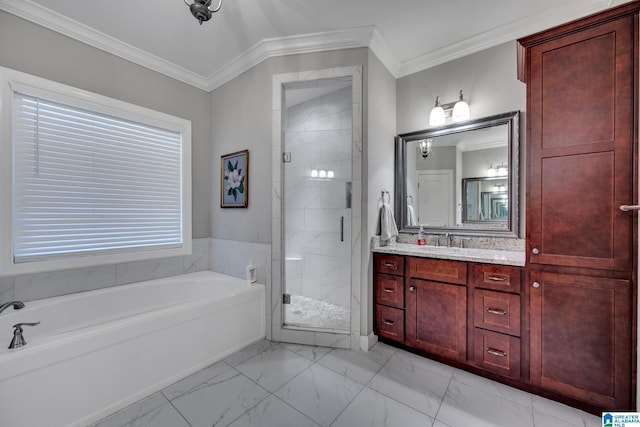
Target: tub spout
(17, 305)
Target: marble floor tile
(274, 367)
(273, 412)
(219, 401)
(372, 409)
(495, 388)
(132, 412)
(163, 416)
(359, 366)
(316, 386)
(411, 383)
(465, 406)
(247, 353)
(545, 409)
(320, 394)
(310, 352)
(193, 381)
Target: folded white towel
(388, 228)
(411, 215)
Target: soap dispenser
(422, 240)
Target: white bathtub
(99, 351)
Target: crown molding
(54, 21)
(306, 43)
(333, 40)
(502, 34)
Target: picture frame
(234, 180)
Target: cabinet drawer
(497, 311)
(389, 290)
(390, 323)
(496, 277)
(389, 264)
(438, 270)
(497, 352)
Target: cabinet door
(580, 97)
(436, 318)
(580, 337)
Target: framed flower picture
(234, 182)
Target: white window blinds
(89, 183)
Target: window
(93, 180)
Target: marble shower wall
(318, 136)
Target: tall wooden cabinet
(581, 160)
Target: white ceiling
(406, 35)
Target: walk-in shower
(317, 187)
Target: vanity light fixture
(458, 111)
(499, 188)
(425, 147)
(437, 117)
(201, 9)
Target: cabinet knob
(535, 251)
(535, 285)
(412, 288)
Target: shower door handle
(342, 228)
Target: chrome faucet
(17, 305)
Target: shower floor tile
(272, 385)
(311, 312)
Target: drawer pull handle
(497, 278)
(389, 264)
(388, 291)
(389, 322)
(495, 352)
(497, 311)
(412, 288)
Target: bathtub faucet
(17, 305)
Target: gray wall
(489, 82)
(379, 130)
(32, 49)
(241, 119)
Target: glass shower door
(317, 205)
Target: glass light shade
(323, 174)
(330, 174)
(460, 111)
(502, 170)
(436, 118)
(425, 147)
(491, 171)
(314, 173)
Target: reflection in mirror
(466, 184)
(485, 201)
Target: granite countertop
(490, 256)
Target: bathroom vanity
(560, 318)
(459, 306)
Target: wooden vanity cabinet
(436, 307)
(497, 318)
(389, 296)
(582, 85)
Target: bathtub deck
(290, 385)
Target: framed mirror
(461, 178)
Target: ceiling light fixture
(425, 147)
(458, 111)
(200, 9)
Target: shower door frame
(275, 316)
